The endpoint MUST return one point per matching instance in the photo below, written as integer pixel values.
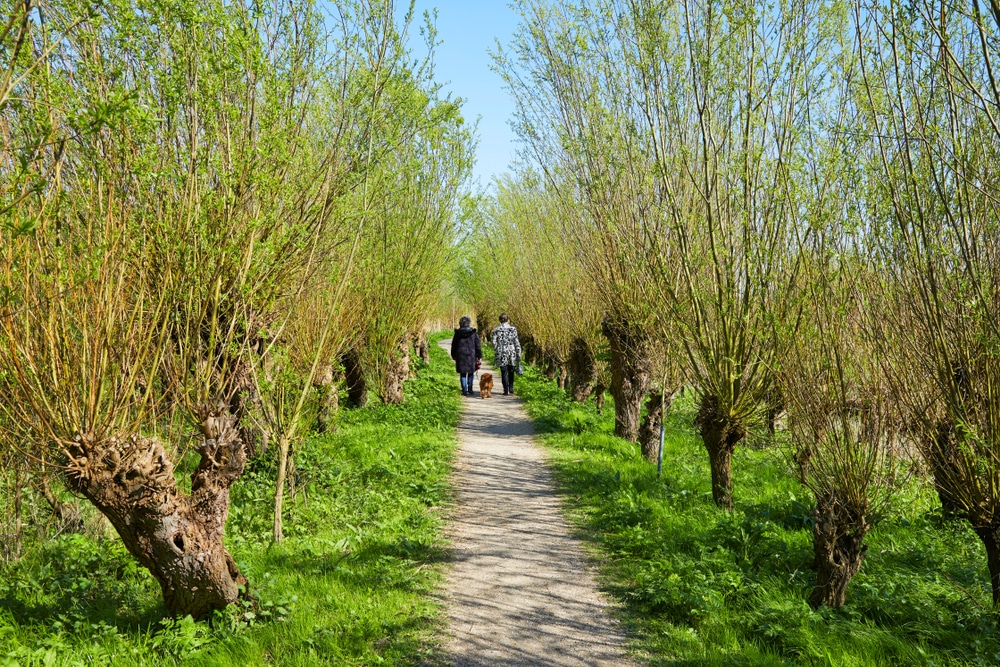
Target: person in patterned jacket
(508, 352)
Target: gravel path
(518, 592)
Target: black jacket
(465, 350)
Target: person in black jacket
(467, 353)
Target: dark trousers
(467, 379)
(507, 377)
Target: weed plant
(702, 586)
(348, 586)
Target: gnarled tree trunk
(942, 459)
(940, 453)
(354, 378)
(649, 431)
(582, 370)
(529, 350)
(599, 392)
(176, 536)
(421, 348)
(561, 379)
(396, 375)
(551, 368)
(775, 403)
(483, 327)
(720, 436)
(327, 397)
(839, 533)
(631, 376)
(990, 536)
(803, 460)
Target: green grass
(701, 586)
(350, 585)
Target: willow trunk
(649, 431)
(354, 378)
(178, 537)
(582, 370)
(839, 548)
(631, 376)
(720, 435)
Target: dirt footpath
(518, 592)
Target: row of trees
(792, 208)
(209, 208)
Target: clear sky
(466, 30)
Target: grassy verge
(349, 586)
(705, 587)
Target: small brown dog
(486, 385)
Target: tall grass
(702, 586)
(349, 585)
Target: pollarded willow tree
(196, 160)
(932, 99)
(840, 413)
(726, 94)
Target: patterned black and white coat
(506, 345)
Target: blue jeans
(507, 377)
(467, 380)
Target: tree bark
(630, 376)
(396, 375)
(354, 377)
(990, 537)
(551, 368)
(483, 327)
(582, 370)
(277, 531)
(561, 379)
(328, 399)
(599, 391)
(421, 348)
(529, 350)
(942, 459)
(649, 431)
(839, 533)
(803, 459)
(176, 536)
(775, 406)
(720, 436)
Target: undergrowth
(701, 586)
(349, 586)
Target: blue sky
(466, 30)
